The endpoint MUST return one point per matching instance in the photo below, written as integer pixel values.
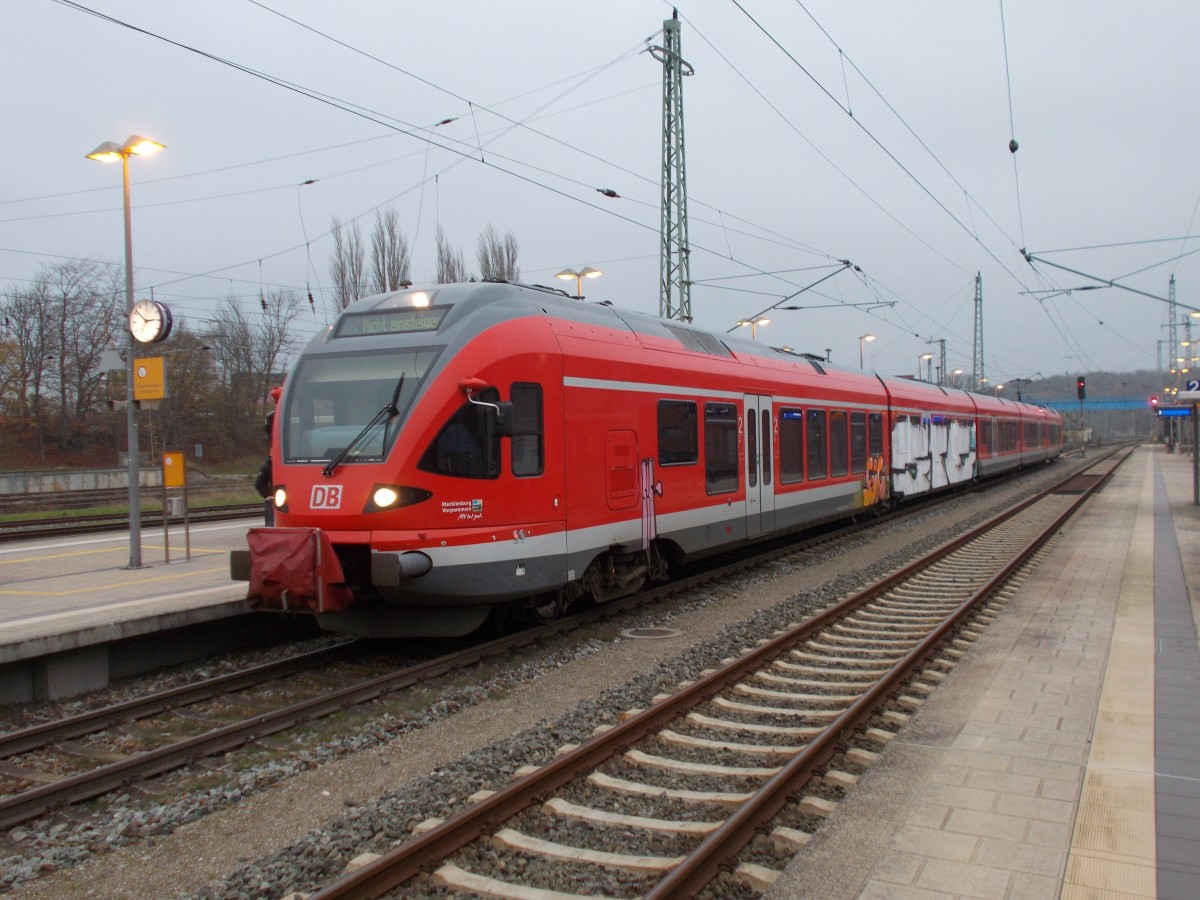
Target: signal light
(1154, 402)
(1081, 387)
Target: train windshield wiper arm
(386, 415)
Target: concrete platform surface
(63, 593)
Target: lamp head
(108, 152)
(139, 145)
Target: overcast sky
(871, 131)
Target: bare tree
(250, 357)
(276, 338)
(497, 256)
(450, 264)
(390, 259)
(231, 337)
(346, 269)
(28, 336)
(85, 299)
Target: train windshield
(332, 399)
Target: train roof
(460, 311)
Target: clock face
(149, 321)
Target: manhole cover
(651, 633)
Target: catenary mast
(675, 286)
(977, 376)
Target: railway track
(712, 789)
(52, 765)
(90, 523)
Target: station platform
(73, 615)
(1061, 757)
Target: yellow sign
(173, 470)
(150, 378)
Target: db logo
(326, 496)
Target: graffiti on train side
(874, 482)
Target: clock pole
(131, 424)
(111, 151)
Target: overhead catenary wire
(427, 147)
(875, 140)
(1012, 127)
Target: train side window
(839, 443)
(720, 448)
(677, 436)
(815, 440)
(766, 446)
(751, 449)
(791, 446)
(468, 445)
(528, 436)
(875, 433)
(858, 442)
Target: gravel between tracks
(293, 824)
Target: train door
(759, 431)
(939, 450)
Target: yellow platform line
(1113, 849)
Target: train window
(677, 438)
(751, 449)
(527, 435)
(332, 400)
(858, 442)
(766, 446)
(1009, 436)
(791, 445)
(468, 446)
(839, 449)
(720, 448)
(815, 439)
(875, 433)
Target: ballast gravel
(293, 823)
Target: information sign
(174, 475)
(150, 378)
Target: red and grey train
(442, 453)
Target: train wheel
(545, 609)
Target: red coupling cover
(295, 569)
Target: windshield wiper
(389, 412)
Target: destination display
(392, 321)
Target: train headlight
(385, 497)
(388, 496)
(279, 498)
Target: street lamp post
(924, 357)
(754, 323)
(862, 339)
(111, 151)
(585, 272)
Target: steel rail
(26, 739)
(402, 863)
(32, 529)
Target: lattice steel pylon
(977, 376)
(674, 283)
